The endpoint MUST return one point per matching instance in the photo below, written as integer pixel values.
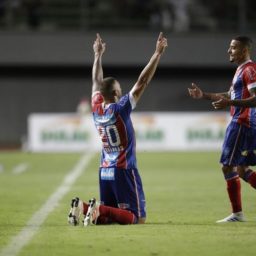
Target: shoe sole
(72, 218)
(88, 216)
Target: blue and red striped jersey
(244, 80)
(115, 128)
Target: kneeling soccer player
(121, 191)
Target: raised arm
(97, 71)
(148, 72)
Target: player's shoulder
(250, 69)
(96, 101)
(122, 106)
(249, 74)
(97, 97)
(123, 98)
(250, 66)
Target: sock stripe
(231, 176)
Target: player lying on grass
(121, 191)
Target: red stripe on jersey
(232, 110)
(244, 76)
(122, 162)
(97, 100)
(244, 117)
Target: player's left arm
(149, 71)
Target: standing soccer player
(239, 147)
(121, 192)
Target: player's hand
(99, 46)
(161, 43)
(195, 92)
(221, 103)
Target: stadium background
(46, 52)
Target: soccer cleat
(75, 211)
(234, 217)
(92, 213)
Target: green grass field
(185, 195)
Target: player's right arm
(149, 71)
(196, 93)
(97, 71)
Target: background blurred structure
(46, 52)
(171, 15)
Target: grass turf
(185, 195)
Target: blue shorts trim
(239, 147)
(122, 188)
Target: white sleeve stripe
(132, 100)
(250, 86)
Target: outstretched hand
(195, 92)
(99, 46)
(161, 43)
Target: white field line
(33, 225)
(1, 168)
(22, 167)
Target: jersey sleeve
(97, 99)
(132, 100)
(126, 104)
(250, 77)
